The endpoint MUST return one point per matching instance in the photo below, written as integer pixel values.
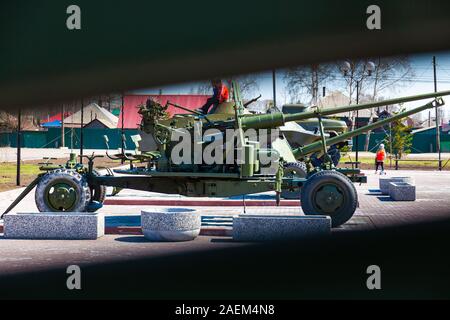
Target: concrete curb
(204, 231)
(201, 203)
(137, 231)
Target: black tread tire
(98, 192)
(346, 211)
(78, 181)
(300, 168)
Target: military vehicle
(295, 133)
(325, 190)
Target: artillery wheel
(62, 190)
(98, 193)
(294, 170)
(329, 193)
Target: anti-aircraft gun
(197, 155)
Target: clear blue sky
(421, 82)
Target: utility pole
(390, 145)
(81, 131)
(356, 124)
(274, 81)
(19, 145)
(122, 125)
(62, 126)
(438, 135)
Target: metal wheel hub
(61, 196)
(329, 198)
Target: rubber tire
(299, 167)
(346, 211)
(77, 180)
(98, 192)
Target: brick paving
(375, 211)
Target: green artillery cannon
(187, 157)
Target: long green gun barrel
(317, 146)
(274, 120)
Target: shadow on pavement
(413, 260)
(133, 239)
(386, 199)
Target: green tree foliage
(401, 139)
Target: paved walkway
(375, 211)
(31, 255)
(10, 154)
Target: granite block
(272, 227)
(54, 225)
(384, 185)
(384, 182)
(170, 224)
(402, 191)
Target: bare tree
(355, 75)
(247, 83)
(203, 87)
(305, 81)
(389, 72)
(7, 122)
(108, 101)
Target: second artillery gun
(172, 169)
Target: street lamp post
(369, 67)
(19, 145)
(274, 81)
(356, 124)
(81, 131)
(122, 129)
(438, 138)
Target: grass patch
(30, 169)
(8, 173)
(369, 163)
(25, 168)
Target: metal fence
(93, 138)
(421, 142)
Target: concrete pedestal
(402, 191)
(384, 183)
(54, 225)
(170, 224)
(271, 227)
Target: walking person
(379, 159)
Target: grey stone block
(171, 224)
(402, 191)
(270, 227)
(384, 182)
(54, 225)
(384, 185)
